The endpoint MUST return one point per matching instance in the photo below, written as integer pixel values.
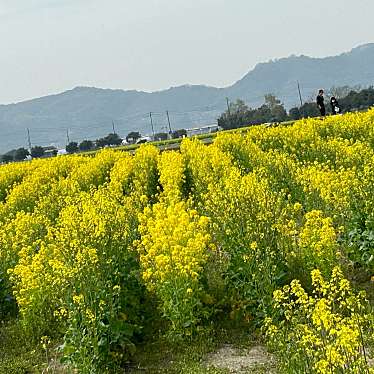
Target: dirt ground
(239, 361)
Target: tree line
(239, 114)
(109, 140)
(21, 154)
(115, 140)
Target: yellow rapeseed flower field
(272, 228)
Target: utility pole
(67, 137)
(228, 106)
(167, 114)
(153, 130)
(228, 111)
(301, 100)
(29, 139)
(114, 130)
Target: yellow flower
(254, 245)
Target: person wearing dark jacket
(334, 106)
(321, 103)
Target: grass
(162, 356)
(19, 355)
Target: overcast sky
(48, 46)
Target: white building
(203, 130)
(144, 139)
(61, 152)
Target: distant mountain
(89, 113)
(280, 76)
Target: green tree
(101, 142)
(236, 116)
(295, 113)
(113, 139)
(239, 114)
(161, 136)
(7, 158)
(277, 111)
(343, 91)
(72, 147)
(21, 154)
(279, 114)
(358, 100)
(239, 106)
(110, 139)
(271, 101)
(37, 152)
(86, 145)
(133, 136)
(179, 133)
(309, 110)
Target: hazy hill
(280, 77)
(88, 112)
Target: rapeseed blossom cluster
(174, 242)
(174, 248)
(321, 332)
(13, 174)
(314, 244)
(172, 168)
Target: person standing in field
(321, 103)
(334, 106)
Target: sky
(49, 46)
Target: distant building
(203, 130)
(144, 139)
(61, 152)
(50, 151)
